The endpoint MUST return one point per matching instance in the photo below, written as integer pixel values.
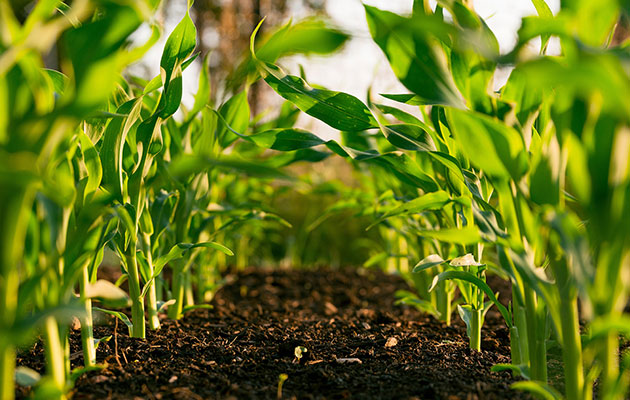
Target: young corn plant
(37, 116)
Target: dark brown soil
(240, 348)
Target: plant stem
(55, 360)
(571, 349)
(537, 350)
(475, 330)
(515, 346)
(175, 310)
(14, 208)
(87, 331)
(444, 303)
(137, 303)
(520, 323)
(154, 320)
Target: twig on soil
(116, 343)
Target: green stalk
(515, 346)
(14, 208)
(175, 310)
(154, 319)
(475, 330)
(572, 349)
(8, 304)
(520, 323)
(87, 330)
(137, 303)
(189, 298)
(444, 302)
(537, 350)
(55, 360)
(179, 288)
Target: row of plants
(531, 180)
(95, 161)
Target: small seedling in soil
(299, 353)
(281, 379)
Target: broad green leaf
(495, 148)
(541, 390)
(25, 376)
(544, 183)
(521, 370)
(185, 166)
(411, 299)
(483, 286)
(466, 314)
(286, 139)
(92, 164)
(107, 293)
(235, 113)
(203, 95)
(375, 259)
(178, 251)
(121, 316)
(59, 80)
(408, 137)
(95, 56)
(465, 236)
(429, 261)
(464, 261)
(410, 99)
(179, 46)
(172, 96)
(525, 98)
(111, 152)
(339, 110)
(193, 307)
(406, 169)
(304, 37)
(430, 201)
(414, 54)
(401, 115)
(543, 11)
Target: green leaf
(339, 110)
(178, 251)
(521, 370)
(430, 201)
(92, 162)
(235, 114)
(59, 80)
(375, 259)
(542, 390)
(429, 261)
(467, 235)
(202, 98)
(543, 11)
(304, 37)
(471, 278)
(107, 293)
(286, 139)
(193, 307)
(408, 137)
(464, 261)
(410, 99)
(413, 53)
(111, 152)
(179, 46)
(25, 376)
(411, 299)
(495, 148)
(121, 316)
